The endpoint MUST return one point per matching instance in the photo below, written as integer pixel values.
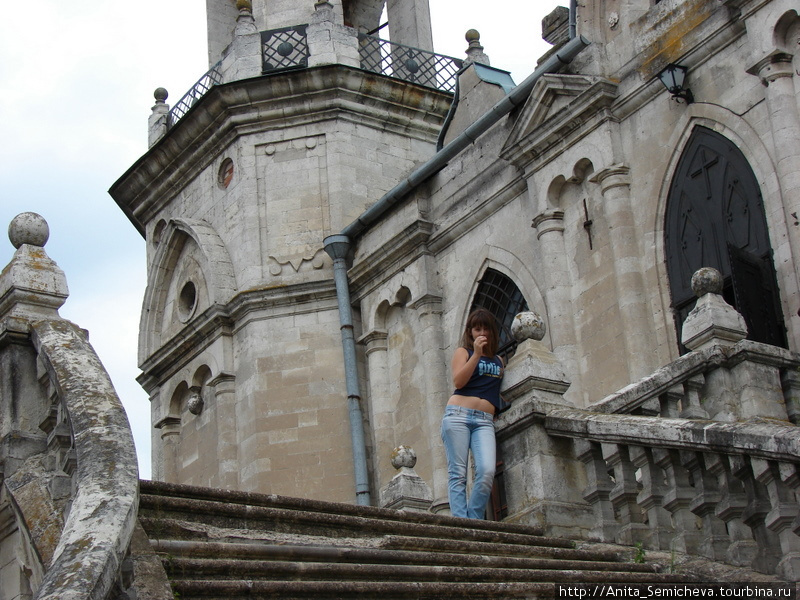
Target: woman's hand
(479, 344)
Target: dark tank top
(485, 380)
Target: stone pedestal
(544, 478)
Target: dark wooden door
(715, 218)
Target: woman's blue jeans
(465, 429)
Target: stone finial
(32, 286)
(406, 490)
(157, 123)
(706, 281)
(533, 368)
(244, 5)
(528, 326)
(474, 49)
(403, 456)
(712, 321)
(28, 228)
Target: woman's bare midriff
(472, 402)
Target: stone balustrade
(68, 469)
(701, 458)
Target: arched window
(715, 218)
(500, 296)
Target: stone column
(227, 440)
(557, 286)
(437, 389)
(777, 74)
(635, 317)
(380, 410)
(170, 438)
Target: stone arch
(751, 144)
(509, 265)
(213, 267)
(177, 399)
(786, 34)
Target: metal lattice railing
(198, 90)
(285, 48)
(407, 63)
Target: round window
(187, 301)
(225, 173)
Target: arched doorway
(715, 218)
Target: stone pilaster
(557, 287)
(381, 412)
(778, 76)
(437, 389)
(224, 386)
(615, 185)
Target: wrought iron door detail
(715, 218)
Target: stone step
(218, 544)
(276, 570)
(356, 590)
(176, 550)
(156, 493)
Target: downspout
(338, 246)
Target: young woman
(468, 422)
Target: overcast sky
(77, 81)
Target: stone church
(326, 205)
(591, 199)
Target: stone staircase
(217, 544)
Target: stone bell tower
(302, 122)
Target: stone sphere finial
(528, 326)
(161, 94)
(706, 280)
(404, 456)
(28, 228)
(244, 5)
(472, 35)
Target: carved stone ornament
(528, 326)
(195, 401)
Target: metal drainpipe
(338, 246)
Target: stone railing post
(246, 46)
(158, 124)
(544, 478)
(406, 490)
(329, 40)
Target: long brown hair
(481, 316)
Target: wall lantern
(673, 77)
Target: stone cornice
(371, 269)
(266, 103)
(225, 320)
